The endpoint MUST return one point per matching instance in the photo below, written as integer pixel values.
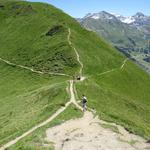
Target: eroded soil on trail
(88, 133)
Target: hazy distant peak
(100, 15)
(139, 15)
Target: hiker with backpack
(84, 102)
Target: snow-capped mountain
(141, 19)
(127, 20)
(131, 34)
(138, 19)
(100, 15)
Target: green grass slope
(35, 35)
(27, 99)
(121, 96)
(37, 139)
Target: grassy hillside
(37, 139)
(35, 35)
(27, 99)
(121, 96)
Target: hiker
(78, 77)
(84, 101)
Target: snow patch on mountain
(127, 20)
(100, 15)
(138, 20)
(95, 16)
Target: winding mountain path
(31, 69)
(35, 128)
(87, 132)
(106, 72)
(72, 101)
(71, 91)
(124, 62)
(77, 54)
(112, 70)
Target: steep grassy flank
(27, 99)
(25, 40)
(36, 140)
(35, 35)
(122, 96)
(96, 55)
(32, 35)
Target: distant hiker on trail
(84, 101)
(78, 77)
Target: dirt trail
(71, 91)
(35, 128)
(124, 62)
(77, 54)
(112, 70)
(72, 100)
(32, 70)
(87, 133)
(106, 72)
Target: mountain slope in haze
(35, 35)
(131, 35)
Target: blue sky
(78, 8)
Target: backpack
(84, 100)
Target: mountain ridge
(125, 19)
(130, 35)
